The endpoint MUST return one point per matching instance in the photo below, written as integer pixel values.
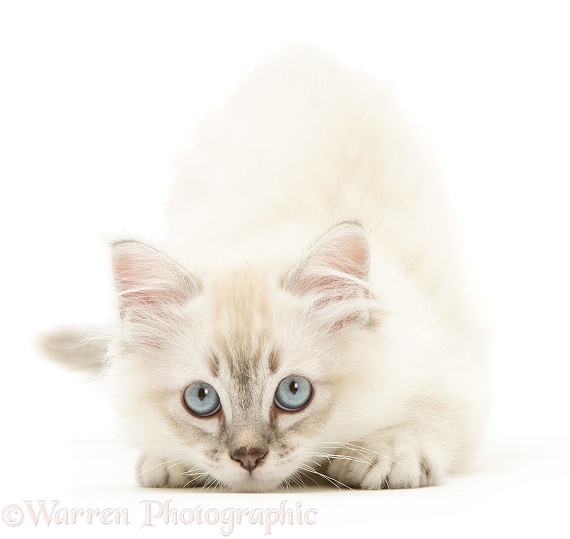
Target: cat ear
(145, 278)
(335, 271)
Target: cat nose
(248, 458)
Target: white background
(95, 99)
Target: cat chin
(262, 479)
(254, 482)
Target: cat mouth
(250, 484)
(257, 480)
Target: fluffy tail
(77, 348)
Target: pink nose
(248, 458)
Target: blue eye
(201, 399)
(293, 393)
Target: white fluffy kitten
(308, 313)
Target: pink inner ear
(347, 254)
(334, 264)
(143, 276)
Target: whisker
(358, 448)
(347, 457)
(331, 480)
(308, 476)
(162, 463)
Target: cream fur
(379, 316)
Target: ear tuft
(144, 277)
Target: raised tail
(77, 348)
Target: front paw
(155, 472)
(396, 457)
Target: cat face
(237, 375)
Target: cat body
(308, 314)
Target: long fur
(312, 236)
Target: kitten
(308, 314)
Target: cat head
(245, 374)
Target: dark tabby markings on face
(243, 324)
(273, 361)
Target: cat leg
(408, 455)
(154, 471)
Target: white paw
(153, 471)
(396, 457)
